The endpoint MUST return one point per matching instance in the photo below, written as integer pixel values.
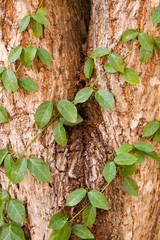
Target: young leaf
(30, 53)
(62, 233)
(157, 42)
(89, 215)
(1, 69)
(16, 211)
(59, 134)
(98, 200)
(128, 170)
(131, 186)
(79, 120)
(39, 169)
(9, 80)
(146, 41)
(129, 34)
(37, 29)
(58, 220)
(144, 146)
(18, 170)
(156, 15)
(83, 95)
(88, 68)
(11, 231)
(8, 164)
(40, 18)
(109, 171)
(130, 76)
(125, 159)
(3, 154)
(154, 155)
(68, 110)
(82, 232)
(24, 23)
(3, 115)
(4, 196)
(124, 148)
(99, 52)
(75, 197)
(27, 83)
(22, 58)
(157, 136)
(150, 128)
(140, 157)
(14, 54)
(42, 11)
(145, 55)
(109, 69)
(116, 62)
(105, 98)
(43, 114)
(44, 56)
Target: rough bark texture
(81, 162)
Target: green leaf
(98, 200)
(2, 204)
(44, 56)
(146, 41)
(3, 115)
(4, 196)
(89, 215)
(157, 136)
(88, 68)
(145, 55)
(27, 83)
(63, 233)
(75, 197)
(42, 11)
(79, 120)
(116, 62)
(82, 232)
(83, 95)
(99, 52)
(150, 128)
(140, 157)
(58, 220)
(125, 159)
(59, 134)
(131, 186)
(124, 148)
(2, 69)
(9, 80)
(156, 15)
(37, 29)
(144, 146)
(22, 58)
(40, 18)
(3, 154)
(109, 69)
(18, 170)
(130, 76)
(68, 110)
(154, 155)
(43, 114)
(109, 171)
(39, 169)
(14, 54)
(128, 170)
(30, 53)
(16, 211)
(8, 164)
(11, 231)
(24, 23)
(105, 98)
(157, 42)
(129, 34)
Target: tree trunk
(81, 162)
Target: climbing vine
(12, 211)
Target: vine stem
(2, 89)
(40, 4)
(38, 134)
(18, 67)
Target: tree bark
(81, 162)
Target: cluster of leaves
(26, 55)
(124, 164)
